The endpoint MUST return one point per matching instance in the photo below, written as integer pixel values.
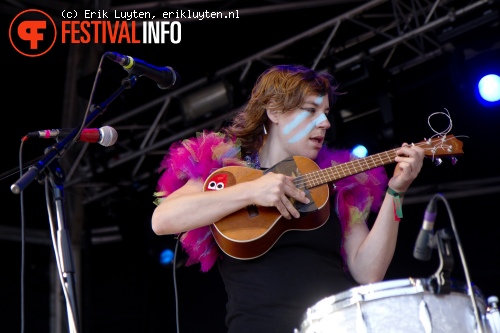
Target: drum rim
(379, 290)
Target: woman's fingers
(410, 161)
(281, 192)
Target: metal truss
(392, 35)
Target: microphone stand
(440, 281)
(63, 251)
(49, 165)
(58, 149)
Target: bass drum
(406, 305)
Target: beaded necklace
(253, 160)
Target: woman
(286, 115)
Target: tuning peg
(454, 160)
(438, 161)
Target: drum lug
(360, 320)
(425, 316)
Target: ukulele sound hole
(252, 211)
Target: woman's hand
(277, 190)
(410, 160)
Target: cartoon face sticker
(216, 182)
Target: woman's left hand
(410, 159)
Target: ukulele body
(252, 231)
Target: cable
(23, 237)
(58, 251)
(174, 270)
(464, 263)
(58, 258)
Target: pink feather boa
(198, 157)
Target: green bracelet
(397, 201)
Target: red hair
(283, 88)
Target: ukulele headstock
(447, 146)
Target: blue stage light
(489, 88)
(359, 151)
(166, 257)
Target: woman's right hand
(274, 190)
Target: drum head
(406, 305)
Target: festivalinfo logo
(33, 32)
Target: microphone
(105, 136)
(422, 250)
(165, 77)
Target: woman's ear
(272, 115)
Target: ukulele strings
(436, 142)
(447, 130)
(343, 170)
(442, 133)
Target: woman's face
(302, 131)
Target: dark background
(122, 287)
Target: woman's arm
(190, 207)
(369, 252)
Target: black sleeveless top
(270, 294)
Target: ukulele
(250, 232)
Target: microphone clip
(129, 81)
(440, 281)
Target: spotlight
(166, 257)
(359, 151)
(203, 102)
(489, 88)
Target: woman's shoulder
(197, 156)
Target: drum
(493, 314)
(406, 305)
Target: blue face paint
(308, 128)
(319, 100)
(296, 122)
